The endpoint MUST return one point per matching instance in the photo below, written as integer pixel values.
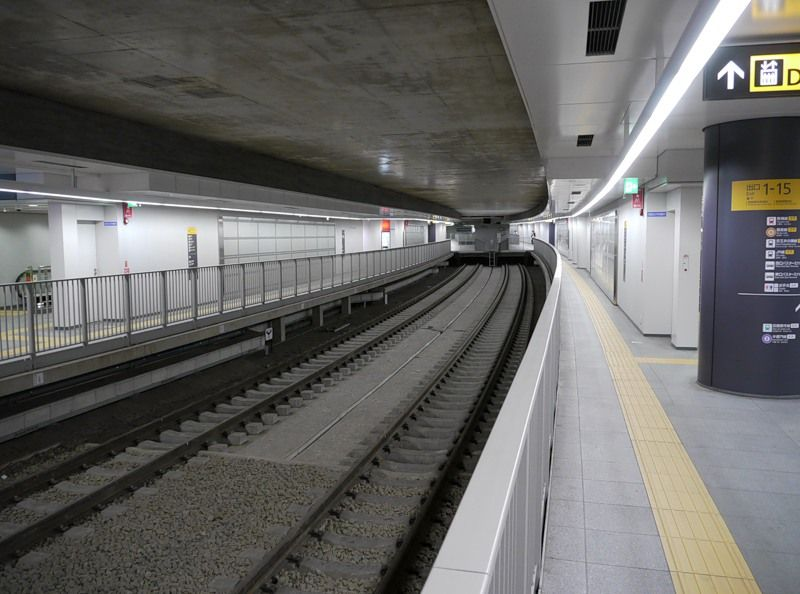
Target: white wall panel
(25, 242)
(268, 239)
(155, 239)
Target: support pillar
(279, 330)
(347, 306)
(750, 283)
(317, 317)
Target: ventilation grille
(605, 20)
(585, 139)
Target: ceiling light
(51, 194)
(723, 17)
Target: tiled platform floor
(602, 536)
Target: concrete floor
(602, 536)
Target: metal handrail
(494, 544)
(45, 316)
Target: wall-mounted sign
(638, 199)
(765, 194)
(657, 214)
(109, 223)
(630, 185)
(753, 71)
(191, 241)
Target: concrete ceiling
(410, 95)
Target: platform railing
(494, 545)
(41, 317)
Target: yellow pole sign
(765, 194)
(775, 9)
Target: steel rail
(267, 569)
(30, 535)
(49, 476)
(390, 580)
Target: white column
(686, 278)
(63, 229)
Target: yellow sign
(771, 73)
(772, 9)
(191, 231)
(765, 194)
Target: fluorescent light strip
(715, 30)
(217, 208)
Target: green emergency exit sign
(630, 185)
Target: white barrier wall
(645, 264)
(371, 235)
(155, 238)
(24, 242)
(353, 236)
(580, 239)
(262, 239)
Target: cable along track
(354, 536)
(31, 514)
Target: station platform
(659, 485)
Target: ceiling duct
(585, 139)
(605, 20)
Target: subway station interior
(439, 296)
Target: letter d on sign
(793, 77)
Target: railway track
(292, 525)
(410, 576)
(61, 496)
(355, 537)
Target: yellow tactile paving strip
(666, 360)
(700, 550)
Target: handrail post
(242, 284)
(164, 310)
(296, 283)
(84, 312)
(194, 272)
(280, 280)
(31, 319)
(126, 300)
(263, 282)
(221, 273)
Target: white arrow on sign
(731, 70)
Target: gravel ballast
(181, 536)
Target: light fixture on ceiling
(716, 28)
(81, 197)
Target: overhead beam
(33, 123)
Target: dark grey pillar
(750, 264)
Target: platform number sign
(753, 71)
